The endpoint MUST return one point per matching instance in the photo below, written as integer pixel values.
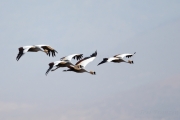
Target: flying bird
(79, 67)
(35, 48)
(118, 59)
(64, 62)
(47, 49)
(124, 55)
(58, 64)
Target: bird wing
(78, 56)
(87, 60)
(49, 49)
(71, 66)
(124, 55)
(74, 56)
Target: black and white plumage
(64, 62)
(47, 49)
(124, 55)
(118, 59)
(79, 67)
(35, 48)
(73, 56)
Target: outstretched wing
(87, 60)
(49, 49)
(78, 56)
(73, 56)
(124, 55)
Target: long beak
(101, 62)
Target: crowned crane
(79, 67)
(118, 59)
(35, 48)
(64, 62)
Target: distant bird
(35, 48)
(124, 55)
(80, 65)
(73, 56)
(64, 62)
(118, 59)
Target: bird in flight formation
(118, 58)
(35, 48)
(79, 67)
(64, 62)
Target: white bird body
(35, 48)
(80, 65)
(111, 59)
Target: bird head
(104, 61)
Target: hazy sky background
(147, 90)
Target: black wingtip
(94, 54)
(19, 56)
(55, 51)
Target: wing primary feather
(94, 54)
(55, 51)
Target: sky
(145, 90)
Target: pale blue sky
(146, 90)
